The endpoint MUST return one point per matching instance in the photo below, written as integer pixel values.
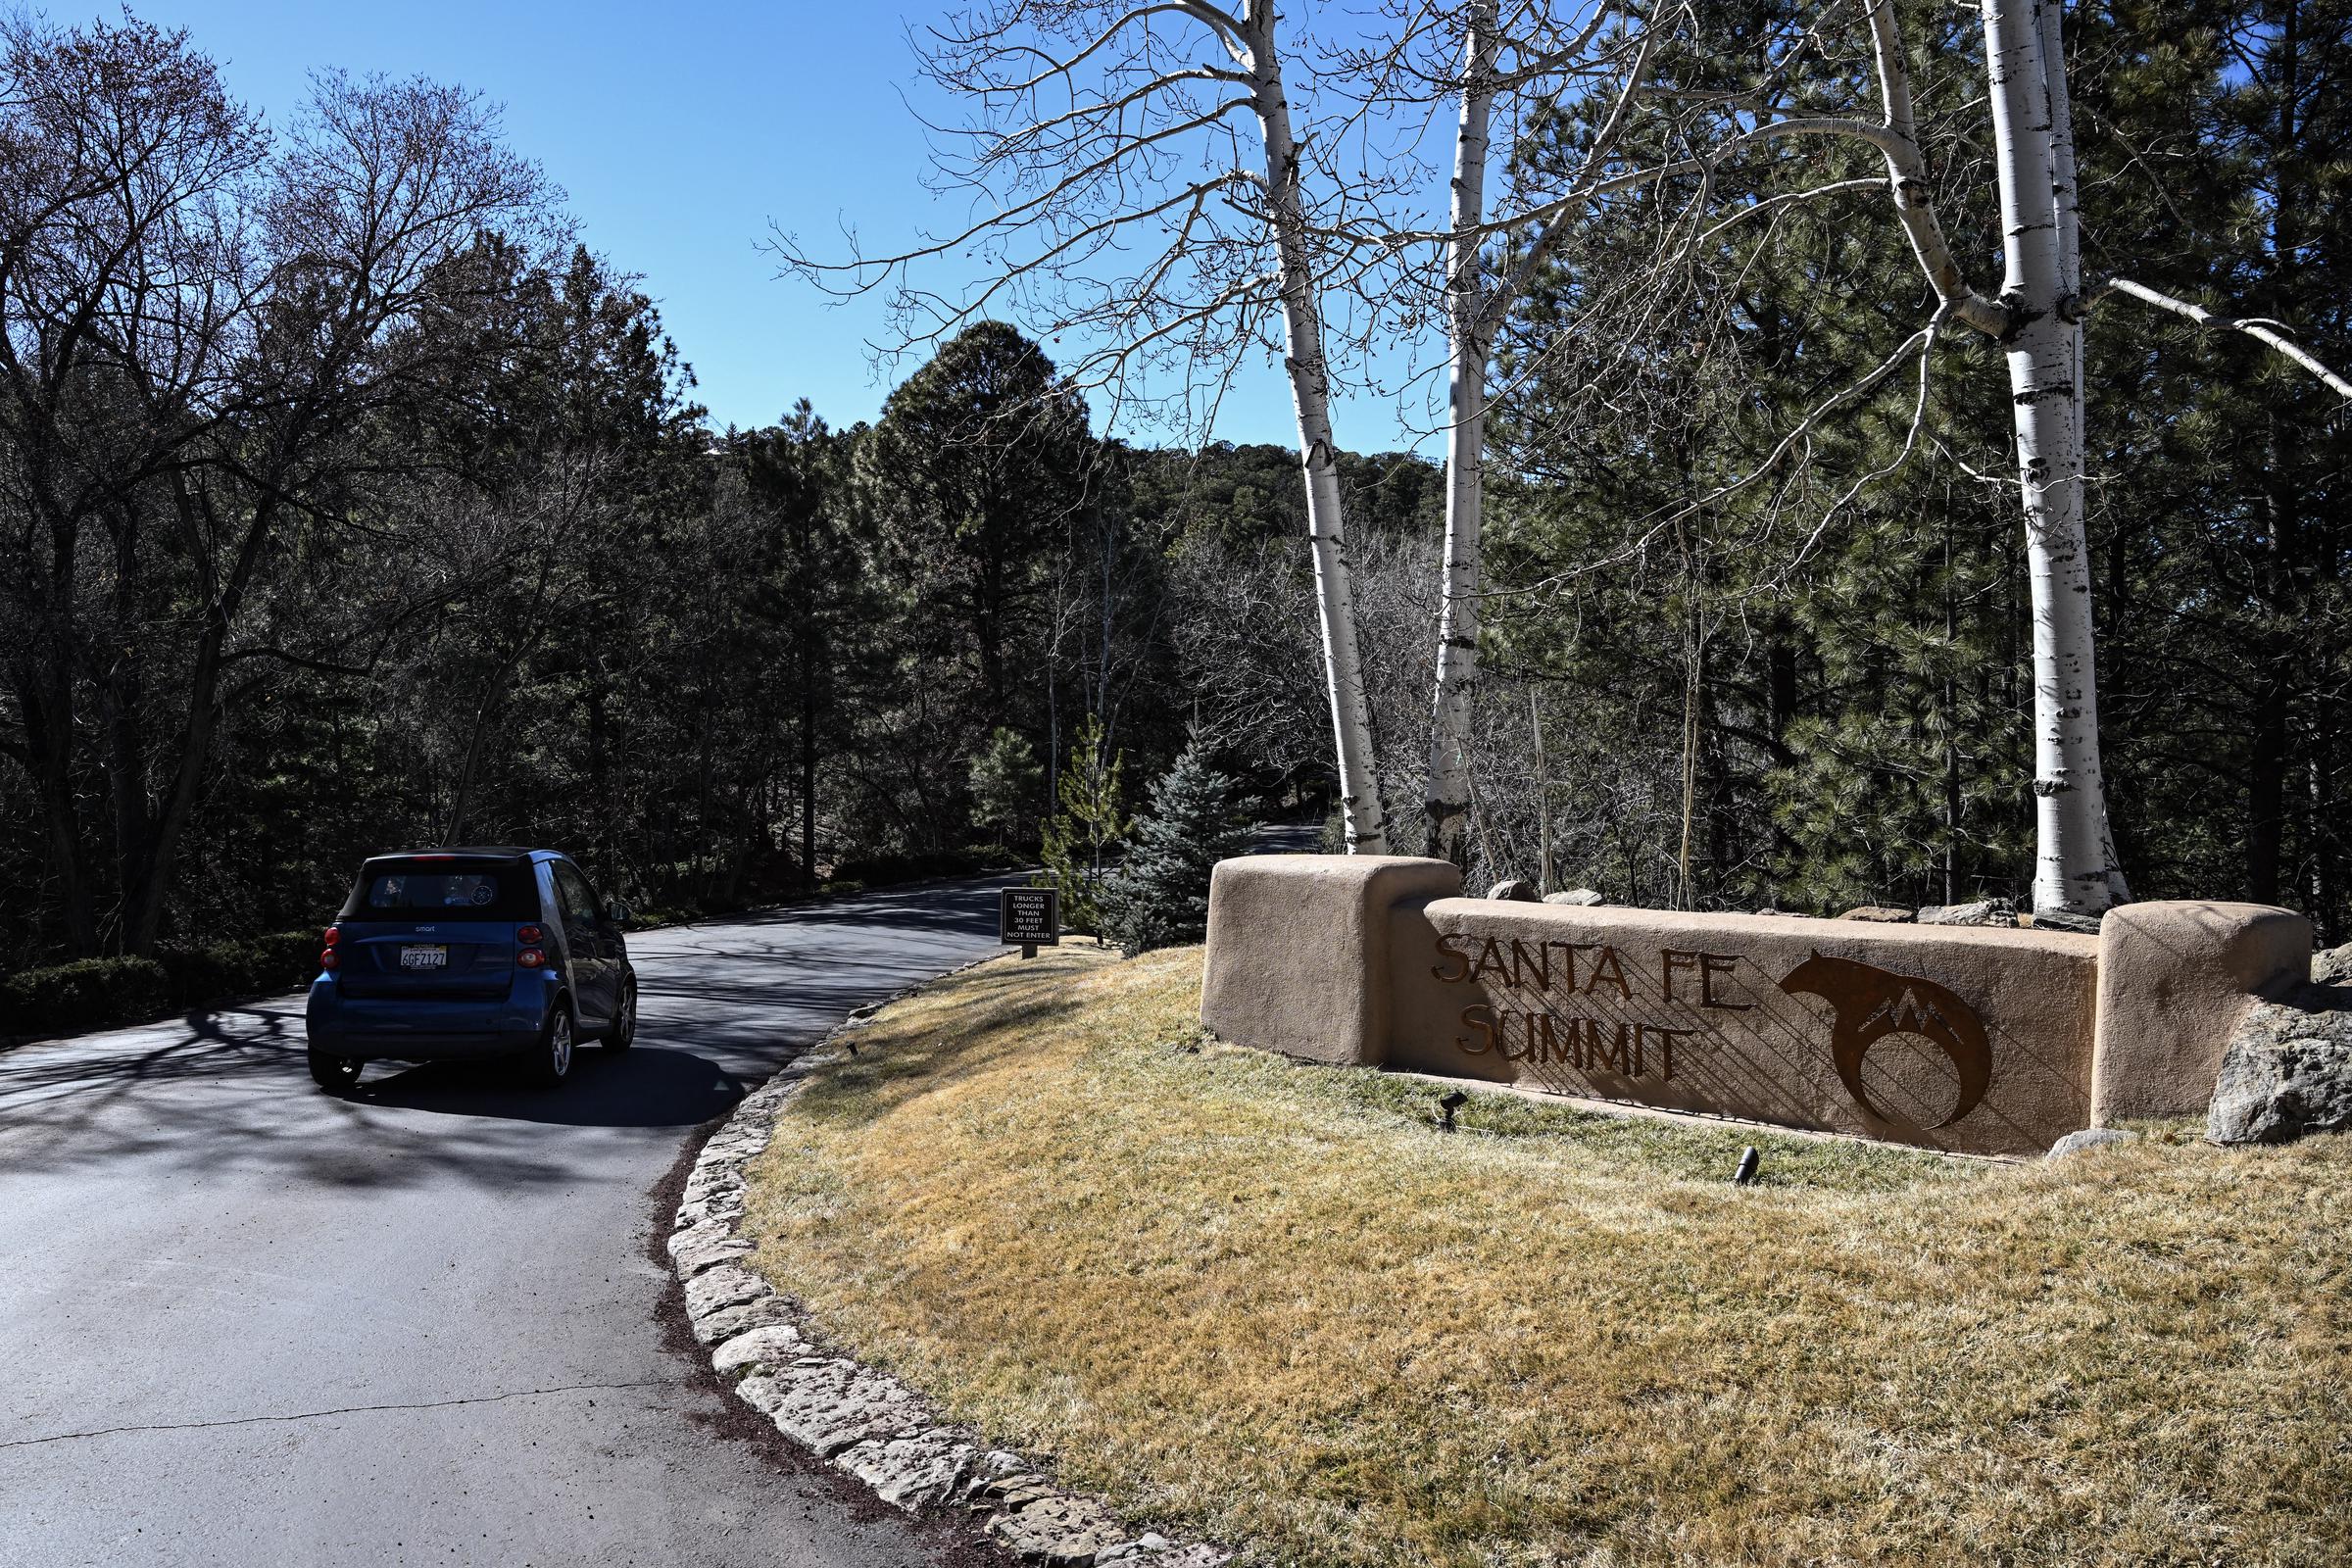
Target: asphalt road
(242, 1321)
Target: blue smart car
(443, 955)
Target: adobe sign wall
(1975, 1040)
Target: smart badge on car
(433, 957)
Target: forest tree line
(353, 503)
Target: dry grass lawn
(1272, 1306)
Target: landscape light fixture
(1448, 1103)
(1745, 1175)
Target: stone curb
(858, 1420)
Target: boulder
(2333, 967)
(1516, 889)
(2088, 1138)
(1880, 913)
(1983, 912)
(2287, 1072)
(2061, 920)
(1580, 896)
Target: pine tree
(1081, 835)
(1161, 896)
(1006, 781)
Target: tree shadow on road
(226, 1091)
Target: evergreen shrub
(256, 966)
(1161, 896)
(87, 994)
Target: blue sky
(678, 132)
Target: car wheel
(338, 1073)
(548, 1063)
(624, 1033)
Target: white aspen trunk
(2074, 866)
(2067, 199)
(1472, 329)
(1311, 396)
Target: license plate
(425, 958)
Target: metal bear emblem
(1871, 1003)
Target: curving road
(244, 1322)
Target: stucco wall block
(1960, 1037)
(1297, 950)
(1975, 1038)
(2175, 980)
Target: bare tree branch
(2260, 328)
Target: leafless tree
(1517, 64)
(1145, 205)
(194, 322)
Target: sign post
(1030, 918)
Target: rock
(766, 1345)
(1983, 912)
(1880, 913)
(1516, 889)
(829, 1405)
(1058, 1529)
(713, 1182)
(731, 1147)
(2333, 967)
(728, 1321)
(699, 1248)
(1582, 895)
(2088, 1138)
(911, 1473)
(806, 1066)
(997, 1463)
(2287, 1072)
(725, 1208)
(727, 1285)
(984, 1484)
(1009, 1493)
(1007, 1484)
(695, 1235)
(2061, 920)
(761, 1392)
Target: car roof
(484, 851)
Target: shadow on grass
(985, 1021)
(886, 1074)
(1688, 1151)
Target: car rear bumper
(413, 1029)
(419, 1045)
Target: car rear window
(404, 889)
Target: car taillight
(527, 935)
(328, 961)
(530, 958)
(334, 934)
